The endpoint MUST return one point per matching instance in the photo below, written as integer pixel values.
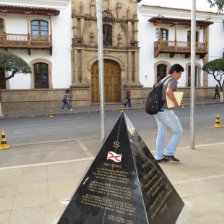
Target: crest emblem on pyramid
(124, 185)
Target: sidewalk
(39, 194)
(91, 109)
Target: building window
(189, 36)
(41, 75)
(163, 34)
(2, 79)
(157, 33)
(107, 35)
(39, 30)
(161, 71)
(1, 26)
(189, 76)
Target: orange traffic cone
(4, 144)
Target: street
(48, 158)
(45, 139)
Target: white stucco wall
(61, 38)
(147, 37)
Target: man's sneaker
(171, 158)
(163, 160)
(70, 109)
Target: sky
(202, 5)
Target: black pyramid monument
(124, 185)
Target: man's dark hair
(176, 68)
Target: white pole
(192, 113)
(1, 114)
(101, 67)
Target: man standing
(216, 92)
(128, 97)
(168, 118)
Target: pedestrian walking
(167, 118)
(216, 92)
(65, 100)
(128, 97)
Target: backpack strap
(166, 79)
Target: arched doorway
(112, 82)
(196, 76)
(161, 71)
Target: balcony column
(28, 24)
(4, 19)
(50, 27)
(175, 40)
(205, 59)
(159, 38)
(28, 29)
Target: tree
(216, 68)
(13, 64)
(218, 3)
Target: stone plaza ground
(38, 192)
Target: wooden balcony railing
(25, 41)
(179, 47)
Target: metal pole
(192, 114)
(101, 67)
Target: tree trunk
(1, 114)
(221, 97)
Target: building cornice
(41, 3)
(28, 10)
(158, 11)
(178, 21)
(178, 9)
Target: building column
(129, 33)
(75, 79)
(82, 24)
(129, 68)
(84, 68)
(137, 81)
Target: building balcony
(179, 47)
(26, 41)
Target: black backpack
(154, 101)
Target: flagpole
(192, 109)
(101, 68)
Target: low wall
(38, 99)
(200, 93)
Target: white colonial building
(164, 39)
(58, 39)
(41, 33)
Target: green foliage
(218, 3)
(216, 68)
(13, 63)
(216, 65)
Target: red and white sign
(114, 156)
